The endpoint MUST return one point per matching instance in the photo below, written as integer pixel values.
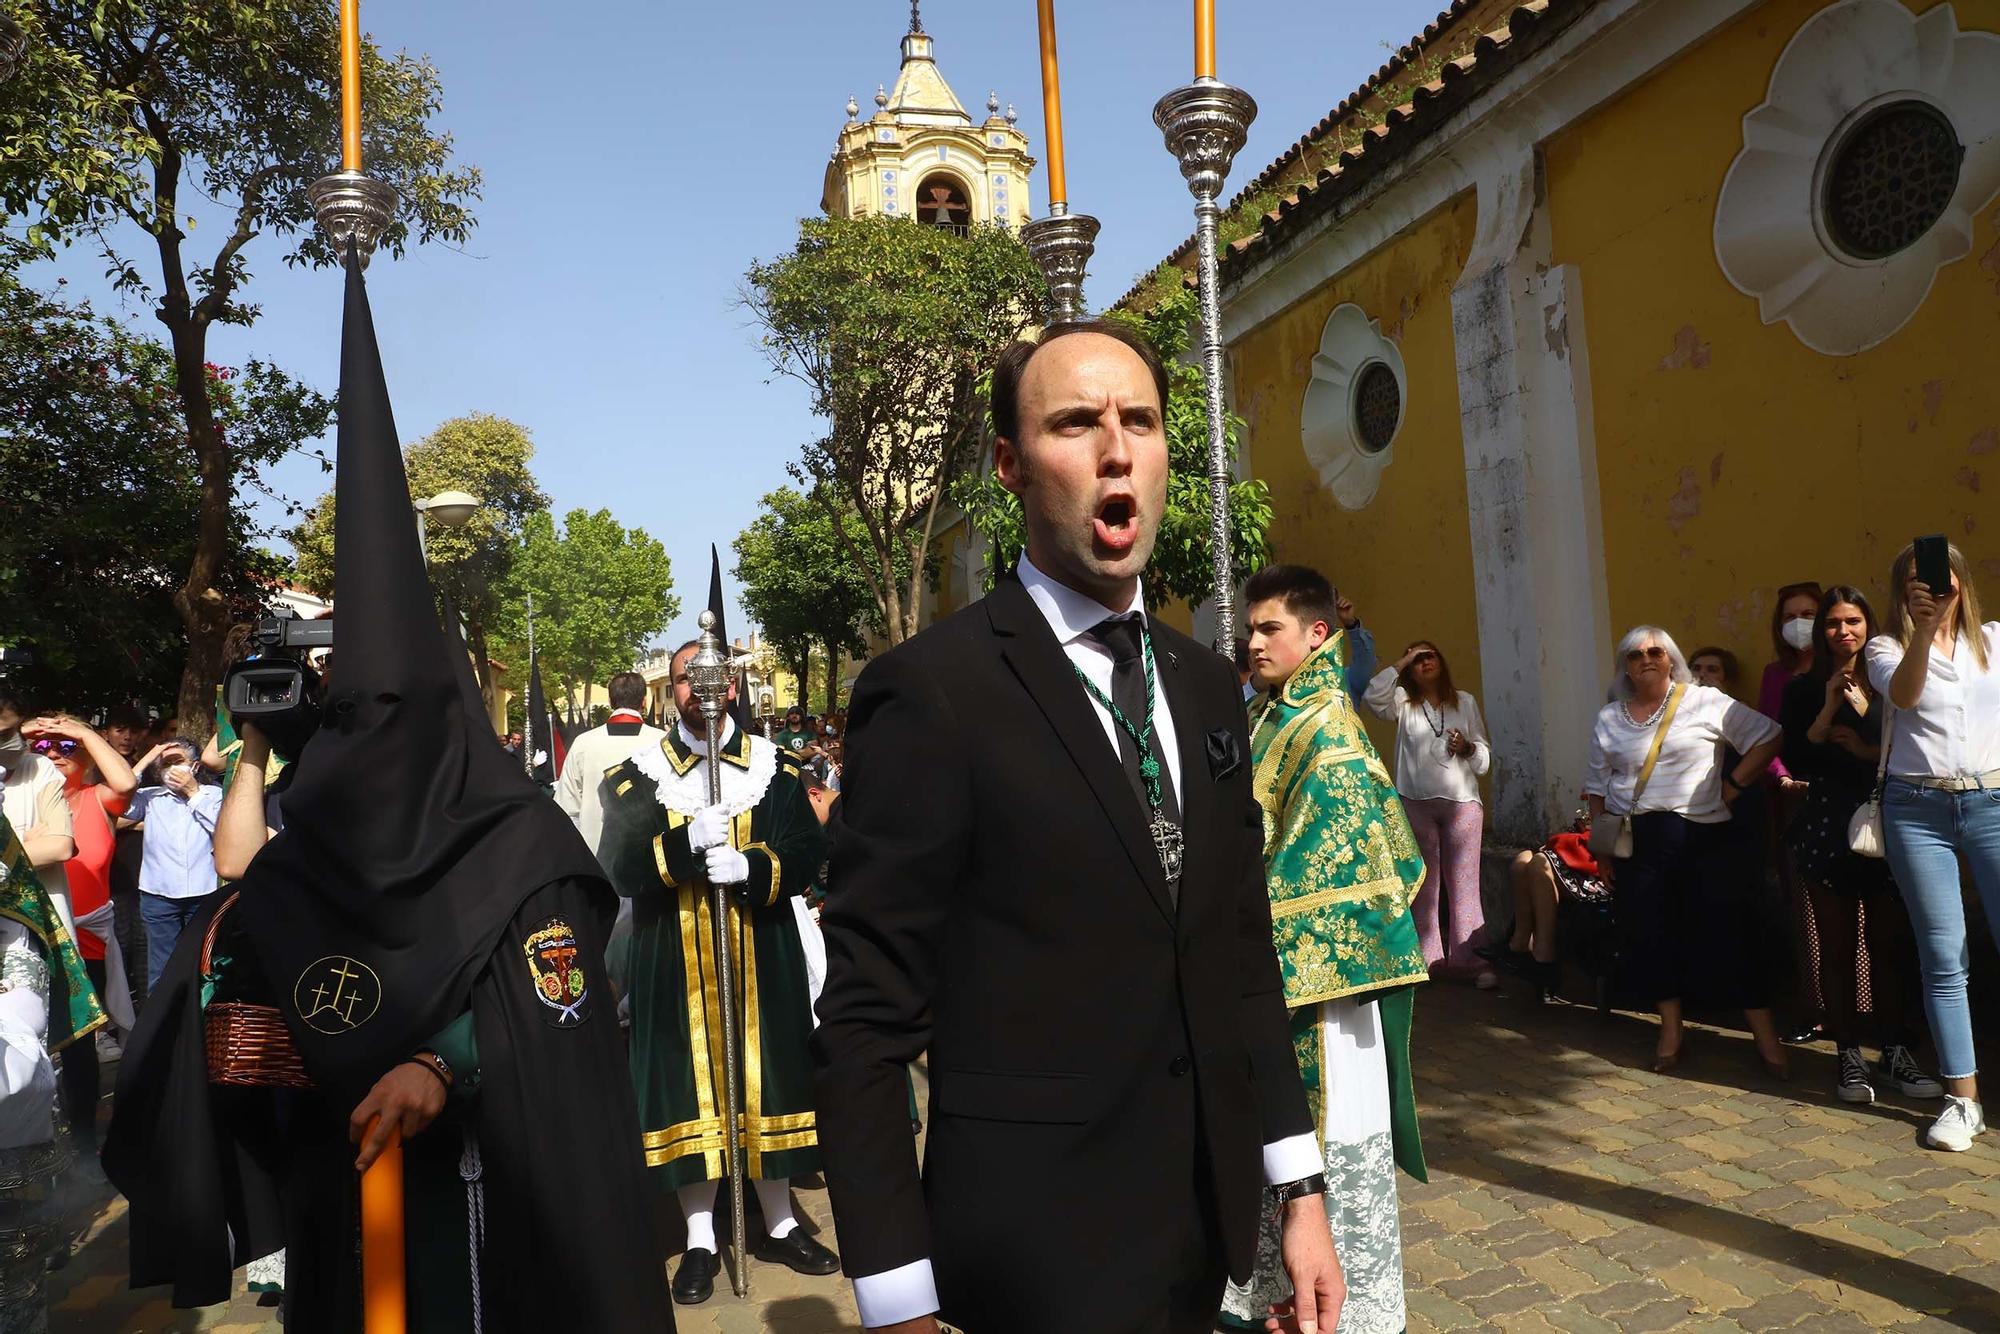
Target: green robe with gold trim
(1342, 867)
(677, 1047)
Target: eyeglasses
(59, 746)
(1655, 653)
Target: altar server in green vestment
(666, 848)
(1342, 867)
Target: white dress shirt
(1424, 768)
(1687, 778)
(1954, 732)
(910, 1290)
(579, 788)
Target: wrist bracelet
(435, 1064)
(1297, 1190)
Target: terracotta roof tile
(1493, 53)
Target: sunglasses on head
(1655, 652)
(62, 746)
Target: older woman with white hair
(1660, 828)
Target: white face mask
(1798, 632)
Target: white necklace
(1656, 712)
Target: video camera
(276, 687)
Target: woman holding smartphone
(1940, 667)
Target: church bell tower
(920, 156)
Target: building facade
(1592, 313)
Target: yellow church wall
(1734, 458)
(1405, 559)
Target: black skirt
(1688, 919)
(1818, 840)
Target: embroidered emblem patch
(555, 967)
(337, 994)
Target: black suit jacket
(1105, 1067)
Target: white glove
(727, 866)
(708, 828)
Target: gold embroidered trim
(1337, 894)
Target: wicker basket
(248, 1045)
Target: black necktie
(1120, 634)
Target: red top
(90, 870)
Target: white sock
(776, 1199)
(698, 1203)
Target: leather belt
(1955, 783)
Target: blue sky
(639, 155)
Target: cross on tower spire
(916, 20)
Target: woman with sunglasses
(1441, 753)
(1685, 913)
(98, 785)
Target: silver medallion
(1167, 842)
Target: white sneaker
(1956, 1125)
(107, 1046)
(1900, 1068)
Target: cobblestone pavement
(1571, 1189)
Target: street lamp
(13, 47)
(452, 509)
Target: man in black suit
(1050, 877)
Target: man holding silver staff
(668, 842)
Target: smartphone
(1934, 564)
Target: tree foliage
(103, 496)
(892, 326)
(125, 109)
(484, 455)
(1182, 568)
(601, 590)
(798, 583)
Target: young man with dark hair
(1311, 596)
(594, 754)
(795, 735)
(1047, 874)
(1341, 866)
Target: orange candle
(1052, 107)
(1204, 39)
(350, 85)
(384, 1310)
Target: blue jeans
(1927, 831)
(164, 919)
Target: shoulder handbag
(1615, 840)
(1864, 827)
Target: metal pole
(1205, 123)
(708, 679)
(528, 750)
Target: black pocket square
(1225, 756)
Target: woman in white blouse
(1684, 893)
(1940, 668)
(1441, 751)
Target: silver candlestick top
(351, 206)
(1205, 123)
(1062, 245)
(708, 669)
(13, 47)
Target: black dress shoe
(694, 1281)
(798, 1252)
(1804, 1035)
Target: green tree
(1182, 567)
(601, 590)
(125, 109)
(103, 497)
(797, 581)
(892, 326)
(486, 456)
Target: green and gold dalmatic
(677, 1053)
(1342, 867)
(73, 1007)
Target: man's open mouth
(1117, 523)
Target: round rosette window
(1354, 406)
(1862, 172)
